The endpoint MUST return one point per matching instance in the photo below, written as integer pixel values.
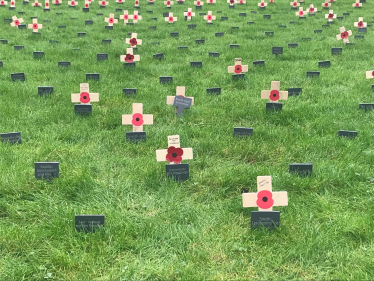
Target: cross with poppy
(326, 4)
(137, 119)
(133, 41)
(295, 4)
(301, 13)
(189, 14)
(72, 3)
(198, 3)
(209, 17)
(330, 16)
(103, 3)
(86, 4)
(360, 23)
(211, 1)
(170, 18)
(125, 16)
(262, 4)
(35, 26)
(274, 94)
(180, 1)
(16, 21)
(265, 199)
(344, 35)
(312, 10)
(231, 2)
(136, 3)
(241, 2)
(35, 4)
(120, 1)
(129, 57)
(168, 3)
(85, 97)
(111, 20)
(369, 74)
(238, 67)
(57, 2)
(174, 154)
(150, 1)
(357, 4)
(12, 4)
(135, 17)
(3, 3)
(46, 4)
(181, 91)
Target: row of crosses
(189, 14)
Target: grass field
(159, 229)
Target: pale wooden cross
(357, 4)
(181, 91)
(174, 154)
(274, 94)
(369, 74)
(262, 4)
(137, 119)
(326, 4)
(231, 2)
(209, 17)
(135, 17)
(46, 4)
(168, 3)
(136, 3)
(301, 13)
(344, 35)
(35, 4)
(330, 16)
(85, 97)
(12, 3)
(16, 21)
(198, 3)
(86, 4)
(265, 199)
(170, 18)
(189, 14)
(3, 3)
(133, 41)
(103, 3)
(125, 16)
(72, 3)
(129, 57)
(56, 2)
(238, 67)
(35, 26)
(211, 1)
(312, 10)
(111, 20)
(360, 23)
(295, 4)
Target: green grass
(158, 229)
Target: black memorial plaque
(302, 169)
(269, 33)
(346, 14)
(347, 134)
(153, 18)
(7, 20)
(284, 26)
(182, 103)
(372, 88)
(306, 38)
(234, 27)
(83, 109)
(61, 26)
(240, 76)
(336, 51)
(38, 55)
(81, 34)
(277, 50)
(129, 64)
(174, 34)
(158, 56)
(312, 74)
(89, 223)
(106, 41)
(47, 170)
(318, 31)
(362, 30)
(242, 14)
(267, 16)
(200, 41)
(45, 90)
(178, 172)
(18, 47)
(12, 138)
(196, 64)
(274, 106)
(192, 26)
(294, 91)
(250, 22)
(101, 56)
(213, 91)
(1, 63)
(366, 106)
(93, 76)
(109, 27)
(243, 132)
(88, 22)
(325, 25)
(254, 12)
(165, 15)
(266, 219)
(293, 45)
(135, 136)
(166, 79)
(258, 62)
(232, 46)
(3, 41)
(224, 18)
(152, 27)
(18, 76)
(64, 63)
(359, 36)
(214, 54)
(325, 63)
(129, 92)
(22, 26)
(86, 10)
(340, 18)
(202, 14)
(53, 42)
(219, 34)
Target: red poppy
(238, 69)
(198, 3)
(372, 73)
(301, 13)
(209, 17)
(16, 22)
(174, 155)
(294, 4)
(46, 4)
(56, 2)
(35, 26)
(86, 5)
(326, 4)
(103, 3)
(137, 119)
(344, 35)
(167, 3)
(232, 1)
(12, 3)
(133, 42)
(135, 17)
(357, 5)
(189, 14)
(36, 4)
(360, 24)
(271, 1)
(170, 19)
(126, 17)
(1, 2)
(150, 0)
(136, 2)
(265, 199)
(311, 10)
(72, 3)
(262, 4)
(331, 16)
(274, 95)
(129, 58)
(119, 1)
(85, 97)
(211, 1)
(111, 20)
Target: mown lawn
(159, 229)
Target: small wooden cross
(170, 18)
(3, 3)
(330, 16)
(369, 74)
(211, 1)
(360, 23)
(357, 4)
(133, 41)
(135, 17)
(16, 21)
(136, 3)
(312, 10)
(12, 3)
(168, 3)
(86, 4)
(125, 16)
(103, 3)
(274, 94)
(231, 2)
(85, 97)
(137, 119)
(46, 4)
(265, 199)
(301, 13)
(181, 91)
(129, 57)
(189, 14)
(174, 154)
(326, 4)
(209, 17)
(35, 26)
(295, 4)
(198, 3)
(72, 3)
(262, 4)
(111, 20)
(344, 35)
(56, 2)
(35, 4)
(238, 67)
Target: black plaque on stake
(200, 41)
(158, 56)
(47, 170)
(128, 92)
(366, 106)
(165, 79)
(234, 46)
(277, 50)
(18, 76)
(135, 136)
(174, 34)
(182, 103)
(312, 74)
(182, 47)
(294, 91)
(89, 223)
(45, 90)
(64, 63)
(196, 64)
(38, 54)
(81, 34)
(325, 63)
(214, 91)
(269, 33)
(17, 47)
(259, 62)
(88, 22)
(302, 169)
(83, 109)
(12, 138)
(178, 172)
(318, 31)
(192, 26)
(347, 134)
(336, 51)
(274, 106)
(214, 54)
(238, 76)
(242, 132)
(267, 16)
(219, 34)
(266, 219)
(101, 56)
(93, 76)
(293, 45)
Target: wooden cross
(56, 2)
(3, 3)
(369, 74)
(238, 67)
(330, 16)
(174, 154)
(274, 94)
(35, 4)
(209, 17)
(85, 97)
(262, 4)
(35, 26)
(189, 14)
(103, 3)
(133, 41)
(72, 3)
(16, 21)
(86, 4)
(12, 3)
(125, 16)
(295, 4)
(344, 35)
(301, 13)
(111, 20)
(137, 119)
(46, 4)
(168, 3)
(211, 1)
(136, 3)
(129, 57)
(265, 199)
(312, 10)
(135, 17)
(181, 91)
(326, 4)
(198, 3)
(231, 2)
(170, 18)
(357, 4)
(360, 23)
